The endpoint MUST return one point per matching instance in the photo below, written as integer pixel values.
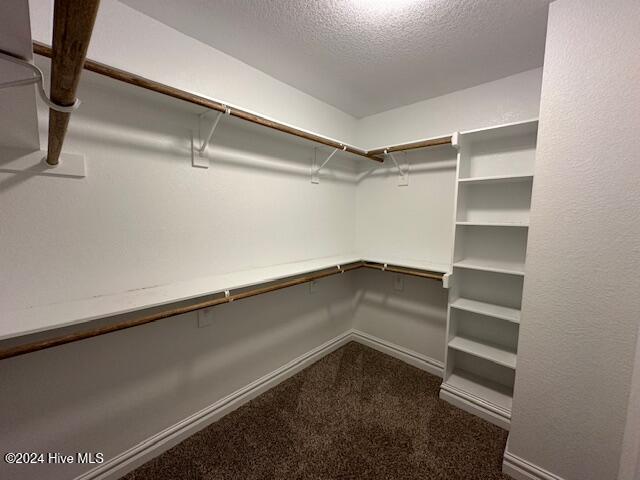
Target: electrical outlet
(398, 283)
(313, 286)
(205, 317)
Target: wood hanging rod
(72, 27)
(142, 82)
(432, 142)
(137, 80)
(407, 271)
(242, 294)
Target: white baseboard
(152, 447)
(428, 364)
(144, 451)
(520, 469)
(475, 406)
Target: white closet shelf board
(497, 179)
(524, 127)
(480, 389)
(501, 154)
(487, 309)
(134, 94)
(197, 100)
(493, 353)
(493, 224)
(494, 203)
(411, 263)
(512, 268)
(48, 317)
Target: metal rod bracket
(199, 158)
(403, 180)
(315, 171)
(37, 79)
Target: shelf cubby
(489, 288)
(487, 309)
(491, 248)
(487, 351)
(486, 337)
(507, 150)
(507, 202)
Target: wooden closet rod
(72, 26)
(154, 86)
(432, 142)
(172, 312)
(137, 80)
(407, 271)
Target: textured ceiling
(367, 56)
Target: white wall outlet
(398, 283)
(313, 286)
(205, 317)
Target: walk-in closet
(355, 239)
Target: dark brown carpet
(355, 414)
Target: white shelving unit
(493, 199)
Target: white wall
(508, 99)
(581, 305)
(630, 457)
(413, 317)
(415, 222)
(18, 118)
(109, 393)
(144, 216)
(127, 39)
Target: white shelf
(501, 131)
(40, 318)
(46, 317)
(410, 263)
(488, 309)
(497, 179)
(480, 388)
(494, 224)
(511, 268)
(495, 354)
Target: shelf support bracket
(403, 181)
(315, 172)
(37, 79)
(198, 157)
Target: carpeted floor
(355, 414)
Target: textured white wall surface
(581, 305)
(144, 216)
(368, 56)
(18, 116)
(109, 393)
(413, 317)
(415, 221)
(132, 41)
(509, 99)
